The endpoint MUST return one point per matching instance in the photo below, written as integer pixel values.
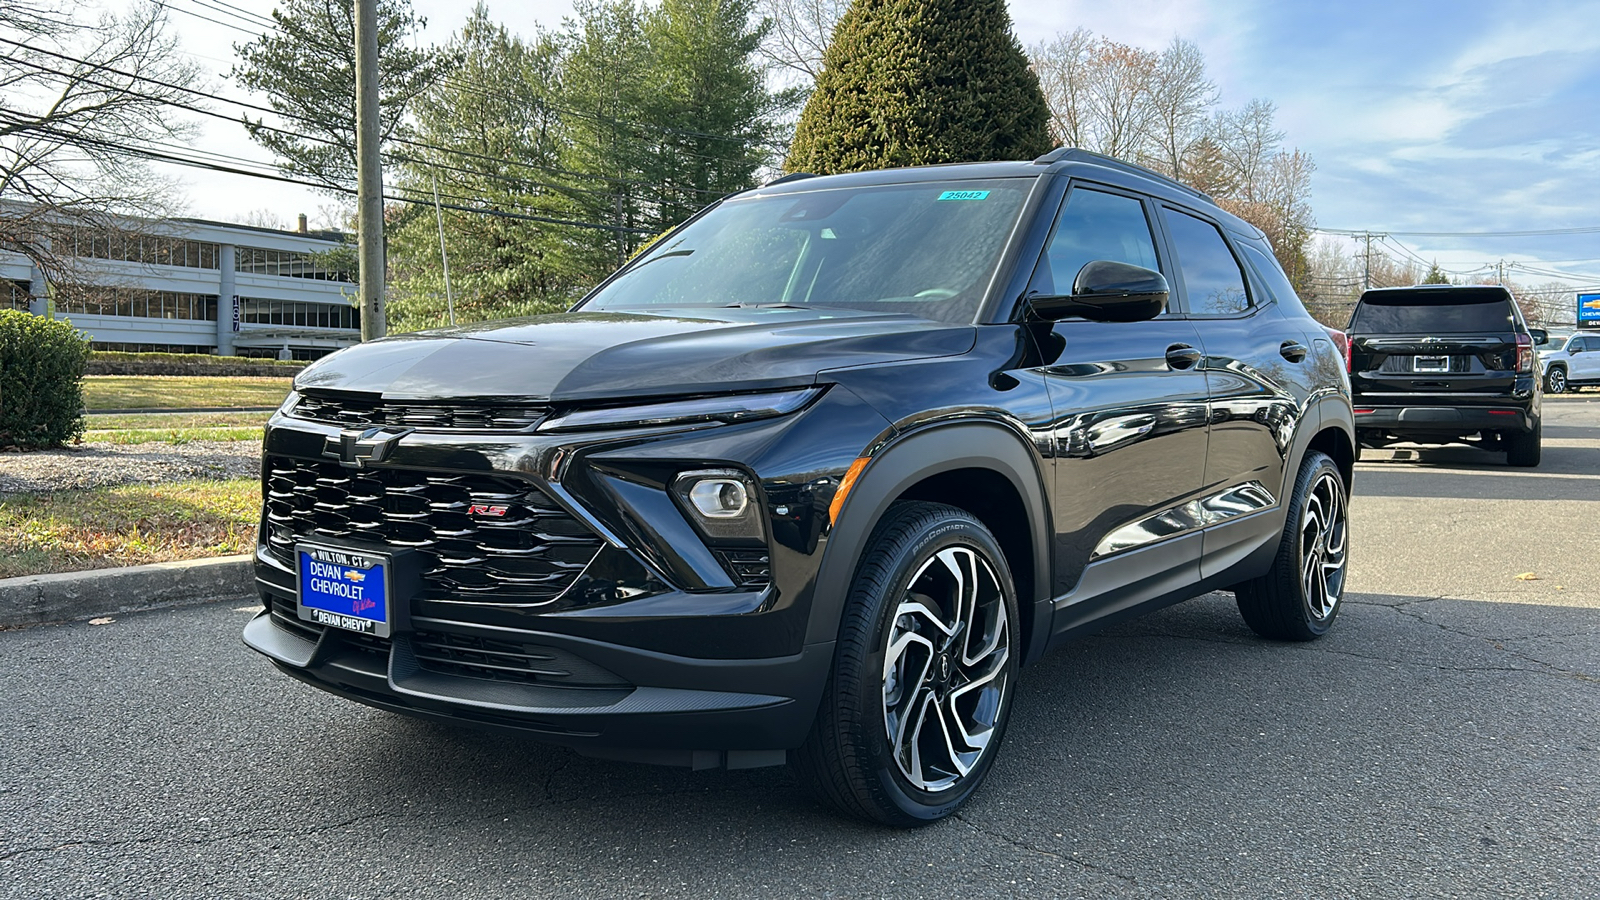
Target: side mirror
(1540, 336)
(1106, 291)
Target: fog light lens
(719, 498)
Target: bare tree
(1180, 98)
(81, 110)
(1062, 65)
(800, 32)
(1248, 139)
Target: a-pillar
(227, 300)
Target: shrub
(116, 362)
(918, 82)
(41, 380)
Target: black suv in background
(814, 476)
(1437, 364)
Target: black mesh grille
(469, 656)
(357, 411)
(753, 568)
(520, 548)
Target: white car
(1570, 364)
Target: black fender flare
(902, 463)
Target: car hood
(584, 356)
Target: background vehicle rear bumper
(1443, 420)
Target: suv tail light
(1342, 341)
(1524, 353)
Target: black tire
(1523, 450)
(1300, 596)
(1555, 380)
(854, 759)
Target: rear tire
(1523, 450)
(923, 675)
(1299, 597)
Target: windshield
(927, 249)
(1434, 311)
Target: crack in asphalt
(1496, 645)
(1027, 847)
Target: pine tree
(919, 82)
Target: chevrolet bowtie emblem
(356, 448)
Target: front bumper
(633, 704)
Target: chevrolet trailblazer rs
(816, 476)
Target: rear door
(1449, 346)
(1259, 371)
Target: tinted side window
(1213, 282)
(1271, 273)
(1577, 343)
(1096, 225)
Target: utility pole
(1500, 273)
(1366, 277)
(369, 174)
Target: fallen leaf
(1527, 576)
(104, 620)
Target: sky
(1430, 122)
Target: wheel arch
(984, 468)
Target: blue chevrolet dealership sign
(1589, 309)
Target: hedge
(41, 380)
(110, 362)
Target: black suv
(1436, 364)
(814, 476)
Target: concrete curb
(40, 599)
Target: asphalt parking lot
(1444, 740)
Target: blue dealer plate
(342, 588)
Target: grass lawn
(180, 391)
(128, 525)
(174, 428)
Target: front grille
(500, 660)
(528, 553)
(753, 568)
(361, 411)
(468, 656)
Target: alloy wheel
(1556, 383)
(1324, 535)
(945, 669)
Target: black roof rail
(1078, 154)
(792, 176)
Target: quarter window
(1212, 280)
(1095, 225)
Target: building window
(14, 295)
(137, 303)
(134, 246)
(150, 348)
(289, 264)
(295, 313)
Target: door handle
(1182, 356)
(1293, 351)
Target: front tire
(1555, 380)
(924, 672)
(1299, 597)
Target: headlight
(726, 408)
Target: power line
(1544, 232)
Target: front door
(1129, 431)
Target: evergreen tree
(917, 82)
(489, 137)
(1436, 275)
(306, 66)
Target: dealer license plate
(343, 588)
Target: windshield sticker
(964, 195)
